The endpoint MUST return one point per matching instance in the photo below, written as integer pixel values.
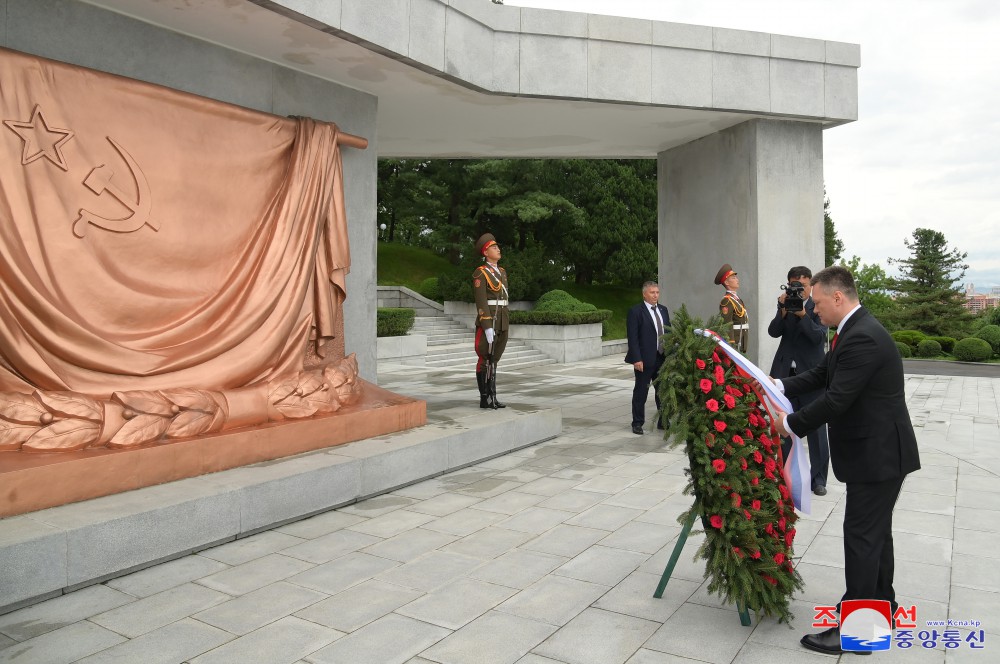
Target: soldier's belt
(741, 327)
(497, 303)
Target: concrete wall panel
(840, 53)
(615, 28)
(385, 23)
(797, 87)
(506, 62)
(553, 66)
(798, 48)
(742, 42)
(841, 92)
(682, 35)
(618, 71)
(740, 82)
(427, 17)
(552, 22)
(468, 50)
(325, 11)
(681, 77)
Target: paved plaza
(546, 555)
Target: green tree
(834, 246)
(929, 298)
(874, 289)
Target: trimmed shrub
(991, 335)
(558, 317)
(909, 337)
(973, 349)
(560, 300)
(928, 348)
(394, 322)
(429, 288)
(947, 343)
(904, 350)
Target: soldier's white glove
(489, 335)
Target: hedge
(928, 348)
(909, 337)
(559, 317)
(972, 349)
(947, 343)
(429, 288)
(394, 322)
(560, 300)
(991, 335)
(904, 350)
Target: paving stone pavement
(546, 555)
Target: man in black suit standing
(872, 443)
(644, 326)
(802, 346)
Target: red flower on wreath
(716, 521)
(705, 385)
(730, 401)
(789, 536)
(781, 524)
(746, 388)
(712, 405)
(737, 501)
(784, 492)
(719, 426)
(770, 580)
(743, 464)
(739, 554)
(755, 504)
(700, 363)
(769, 528)
(719, 465)
(715, 357)
(720, 375)
(758, 457)
(754, 420)
(747, 514)
(770, 463)
(779, 558)
(754, 481)
(755, 555)
(738, 439)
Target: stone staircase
(450, 345)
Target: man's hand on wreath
(779, 422)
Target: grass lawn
(403, 265)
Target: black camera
(795, 296)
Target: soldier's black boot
(484, 397)
(492, 390)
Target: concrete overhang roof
(468, 78)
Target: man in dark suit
(802, 346)
(644, 326)
(872, 443)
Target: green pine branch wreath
(734, 471)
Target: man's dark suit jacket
(871, 438)
(642, 334)
(802, 340)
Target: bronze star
(40, 140)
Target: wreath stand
(681, 540)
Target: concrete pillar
(751, 196)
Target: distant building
(977, 302)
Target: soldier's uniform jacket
(490, 286)
(737, 320)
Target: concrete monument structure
(734, 119)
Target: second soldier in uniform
(734, 312)
(489, 283)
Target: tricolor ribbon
(795, 471)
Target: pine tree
(929, 299)
(833, 245)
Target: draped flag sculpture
(713, 404)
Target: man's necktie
(659, 329)
(833, 343)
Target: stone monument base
(30, 482)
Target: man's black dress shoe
(637, 429)
(820, 490)
(827, 642)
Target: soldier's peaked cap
(485, 242)
(724, 273)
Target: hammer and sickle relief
(99, 181)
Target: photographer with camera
(802, 346)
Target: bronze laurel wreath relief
(68, 421)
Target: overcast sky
(925, 151)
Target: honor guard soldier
(734, 312)
(489, 283)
